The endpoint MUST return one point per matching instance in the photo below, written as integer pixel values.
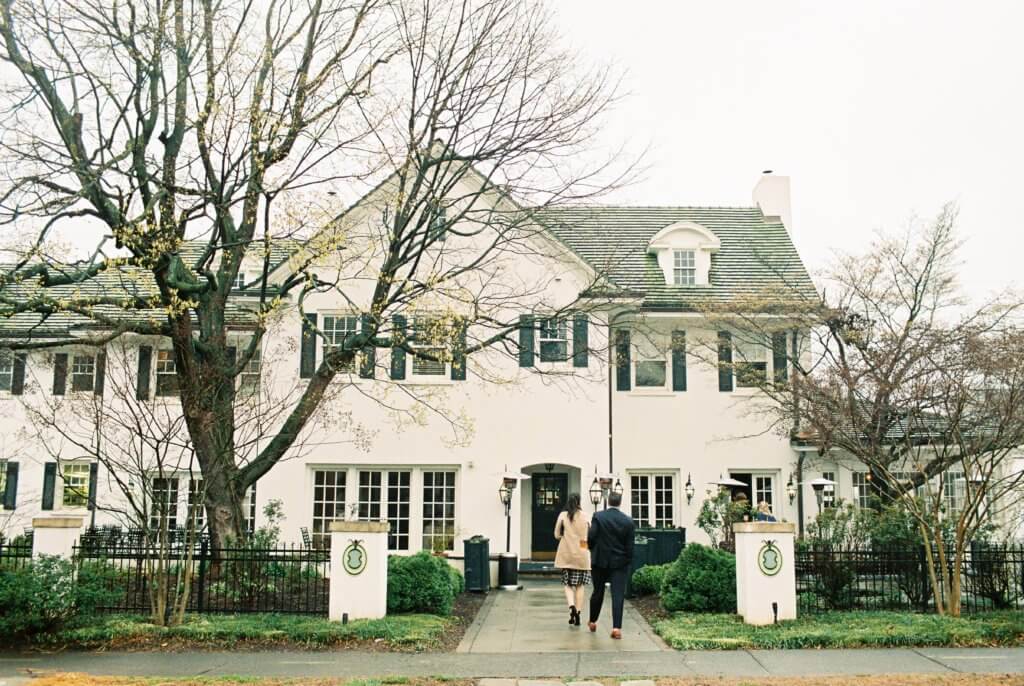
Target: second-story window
(239, 283)
(750, 364)
(6, 370)
(554, 340)
(83, 372)
(684, 268)
(437, 230)
(166, 373)
(249, 379)
(337, 328)
(75, 477)
(428, 359)
(651, 367)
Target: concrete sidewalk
(564, 666)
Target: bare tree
(903, 375)
(167, 127)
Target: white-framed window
(652, 498)
(249, 379)
(750, 363)
(328, 504)
(196, 511)
(250, 520)
(438, 510)
(651, 367)
(684, 268)
(764, 489)
(337, 328)
(166, 373)
(554, 339)
(74, 478)
(828, 493)
(427, 338)
(861, 489)
(384, 495)
(83, 372)
(6, 369)
(954, 492)
(164, 506)
(239, 283)
(437, 230)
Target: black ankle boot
(574, 616)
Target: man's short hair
(614, 499)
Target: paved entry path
(536, 620)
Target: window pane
(328, 504)
(83, 369)
(438, 511)
(553, 338)
(166, 374)
(663, 500)
(6, 369)
(398, 510)
(336, 329)
(76, 484)
(639, 496)
(650, 373)
(164, 509)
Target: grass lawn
(396, 632)
(685, 631)
(73, 679)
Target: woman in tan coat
(573, 557)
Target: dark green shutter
(101, 372)
(145, 367)
(18, 376)
(368, 364)
(232, 354)
(580, 340)
(780, 366)
(398, 337)
(459, 352)
(622, 360)
(678, 360)
(94, 471)
(11, 486)
(526, 340)
(49, 484)
(60, 373)
(307, 347)
(724, 361)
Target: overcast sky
(878, 111)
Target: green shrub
(457, 580)
(421, 583)
(648, 579)
(45, 596)
(702, 580)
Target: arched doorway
(543, 497)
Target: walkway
(536, 620)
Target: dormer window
(684, 268)
(683, 251)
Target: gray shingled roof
(757, 257)
(130, 283)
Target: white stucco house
(625, 387)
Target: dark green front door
(549, 494)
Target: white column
(359, 570)
(765, 571)
(55, 535)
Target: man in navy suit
(610, 540)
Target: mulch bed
(649, 607)
(464, 612)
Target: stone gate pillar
(55, 535)
(765, 571)
(359, 570)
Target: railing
(992, 578)
(16, 553)
(284, 579)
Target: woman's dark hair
(572, 505)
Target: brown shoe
(592, 626)
(617, 633)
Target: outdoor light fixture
(791, 489)
(618, 487)
(819, 486)
(505, 492)
(688, 490)
(595, 493)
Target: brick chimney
(771, 194)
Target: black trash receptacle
(508, 571)
(477, 567)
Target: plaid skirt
(575, 577)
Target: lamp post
(602, 487)
(508, 563)
(595, 493)
(819, 487)
(791, 489)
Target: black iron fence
(16, 552)
(992, 578)
(285, 579)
